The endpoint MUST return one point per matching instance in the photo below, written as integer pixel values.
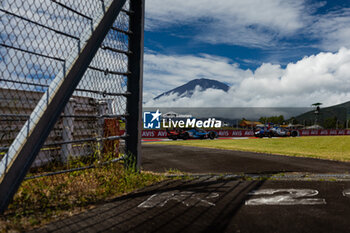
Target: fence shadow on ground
(204, 204)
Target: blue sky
(259, 42)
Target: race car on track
(275, 132)
(174, 134)
(192, 133)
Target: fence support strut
(18, 168)
(135, 79)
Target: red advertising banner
(221, 133)
(250, 133)
(323, 132)
(154, 134)
(235, 133)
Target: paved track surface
(160, 158)
(223, 204)
(215, 205)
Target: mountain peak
(187, 89)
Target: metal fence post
(67, 130)
(135, 80)
(102, 106)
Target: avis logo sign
(151, 120)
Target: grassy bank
(44, 199)
(324, 147)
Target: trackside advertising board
(250, 133)
(323, 132)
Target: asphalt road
(219, 205)
(160, 158)
(224, 203)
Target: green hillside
(328, 117)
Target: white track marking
(285, 197)
(187, 198)
(346, 193)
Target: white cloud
(254, 23)
(164, 72)
(332, 29)
(243, 22)
(280, 14)
(324, 77)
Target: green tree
(293, 121)
(330, 123)
(273, 119)
(263, 120)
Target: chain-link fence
(43, 42)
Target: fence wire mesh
(39, 40)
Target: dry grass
(42, 200)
